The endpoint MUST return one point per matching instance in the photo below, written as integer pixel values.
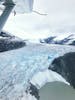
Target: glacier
(18, 67)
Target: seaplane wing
(21, 6)
(16, 6)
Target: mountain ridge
(62, 39)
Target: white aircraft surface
(8, 6)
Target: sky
(59, 18)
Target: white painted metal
(21, 6)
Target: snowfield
(19, 67)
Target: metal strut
(4, 16)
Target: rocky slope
(33, 91)
(10, 42)
(65, 66)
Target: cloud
(60, 18)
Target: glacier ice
(17, 67)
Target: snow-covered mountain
(68, 39)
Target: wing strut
(4, 16)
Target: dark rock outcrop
(33, 91)
(65, 66)
(5, 34)
(49, 40)
(73, 43)
(9, 42)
